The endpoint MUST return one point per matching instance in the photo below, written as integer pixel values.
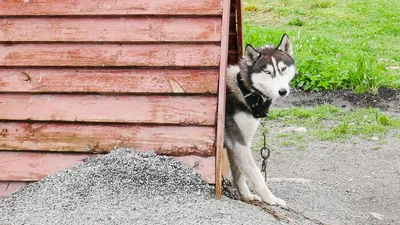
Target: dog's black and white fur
(262, 75)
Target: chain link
(230, 191)
(265, 152)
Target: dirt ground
(330, 182)
(386, 99)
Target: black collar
(256, 103)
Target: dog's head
(268, 70)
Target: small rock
(301, 130)
(377, 216)
(374, 138)
(294, 129)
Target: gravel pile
(125, 187)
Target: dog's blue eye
(283, 68)
(267, 72)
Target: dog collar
(258, 107)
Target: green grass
(326, 122)
(338, 44)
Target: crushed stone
(126, 187)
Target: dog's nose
(282, 92)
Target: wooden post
(221, 97)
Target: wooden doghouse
(79, 77)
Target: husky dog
(262, 75)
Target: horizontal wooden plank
(109, 55)
(8, 187)
(110, 29)
(108, 80)
(204, 166)
(109, 7)
(29, 166)
(198, 110)
(169, 140)
(26, 166)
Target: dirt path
(349, 182)
(386, 99)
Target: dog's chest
(247, 124)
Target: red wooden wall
(79, 77)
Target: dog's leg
(244, 161)
(240, 182)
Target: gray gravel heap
(125, 187)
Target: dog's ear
(251, 54)
(286, 45)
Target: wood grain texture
(225, 166)
(182, 110)
(8, 187)
(204, 166)
(110, 29)
(30, 166)
(109, 55)
(108, 80)
(109, 7)
(26, 166)
(169, 140)
(222, 98)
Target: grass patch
(296, 22)
(251, 8)
(338, 44)
(321, 4)
(327, 122)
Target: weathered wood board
(140, 29)
(79, 77)
(99, 138)
(101, 55)
(8, 187)
(117, 81)
(31, 166)
(183, 110)
(110, 7)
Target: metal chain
(231, 192)
(265, 152)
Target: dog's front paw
(280, 202)
(251, 197)
(275, 201)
